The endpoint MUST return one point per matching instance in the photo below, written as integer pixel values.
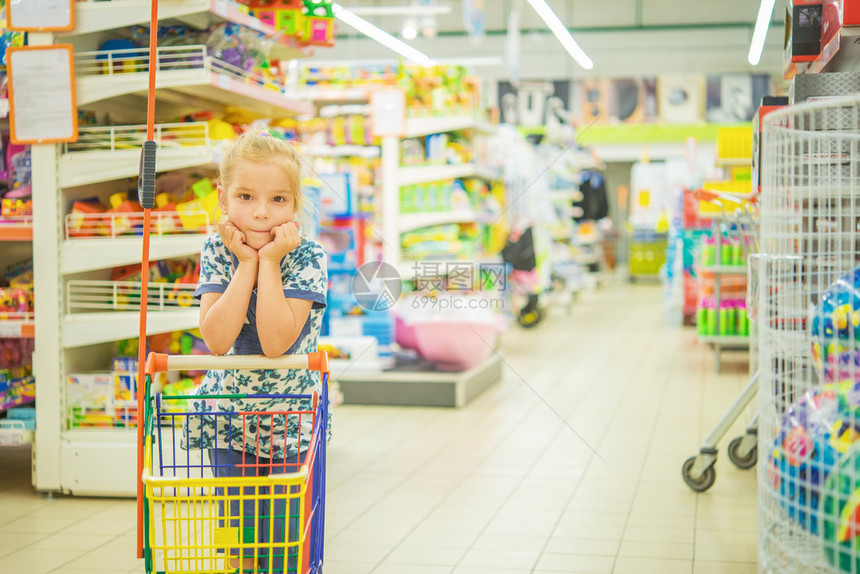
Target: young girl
(262, 291)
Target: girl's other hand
(235, 242)
(285, 238)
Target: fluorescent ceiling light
(384, 38)
(562, 33)
(400, 10)
(760, 33)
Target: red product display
(851, 12)
(815, 27)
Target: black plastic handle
(146, 177)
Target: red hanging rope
(146, 187)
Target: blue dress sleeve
(305, 273)
(215, 267)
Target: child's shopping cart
(698, 471)
(268, 515)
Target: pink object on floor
(453, 345)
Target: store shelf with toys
(105, 153)
(200, 14)
(219, 67)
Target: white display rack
(16, 228)
(429, 173)
(84, 295)
(79, 255)
(106, 153)
(365, 151)
(417, 127)
(15, 433)
(411, 221)
(98, 226)
(82, 329)
(185, 71)
(201, 14)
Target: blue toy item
(815, 433)
(836, 330)
(840, 512)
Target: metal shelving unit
(92, 461)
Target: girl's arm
(223, 314)
(279, 319)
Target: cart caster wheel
(702, 483)
(742, 462)
(529, 319)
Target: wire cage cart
(809, 340)
(237, 509)
(741, 225)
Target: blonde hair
(262, 147)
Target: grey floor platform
(419, 385)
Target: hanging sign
(42, 94)
(40, 15)
(388, 112)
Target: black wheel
(742, 462)
(702, 483)
(529, 318)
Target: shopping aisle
(508, 484)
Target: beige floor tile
(418, 555)
(507, 542)
(69, 541)
(662, 550)
(705, 567)
(42, 524)
(26, 558)
(386, 568)
(356, 552)
(499, 559)
(575, 563)
(348, 566)
(14, 541)
(630, 565)
(727, 552)
(657, 534)
(582, 546)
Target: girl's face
(258, 198)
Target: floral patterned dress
(304, 276)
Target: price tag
(40, 15)
(42, 94)
(223, 82)
(9, 329)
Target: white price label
(4, 108)
(223, 82)
(10, 329)
(220, 9)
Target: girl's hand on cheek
(285, 238)
(235, 242)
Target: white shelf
(17, 328)
(113, 152)
(411, 268)
(187, 74)
(723, 269)
(430, 173)
(79, 255)
(16, 436)
(92, 328)
(98, 462)
(102, 16)
(410, 221)
(416, 127)
(726, 340)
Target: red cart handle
(160, 362)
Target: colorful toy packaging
(836, 330)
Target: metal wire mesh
(808, 310)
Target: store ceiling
(622, 37)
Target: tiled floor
(570, 464)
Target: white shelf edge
(430, 173)
(85, 168)
(79, 255)
(736, 340)
(83, 329)
(417, 127)
(411, 221)
(723, 269)
(103, 16)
